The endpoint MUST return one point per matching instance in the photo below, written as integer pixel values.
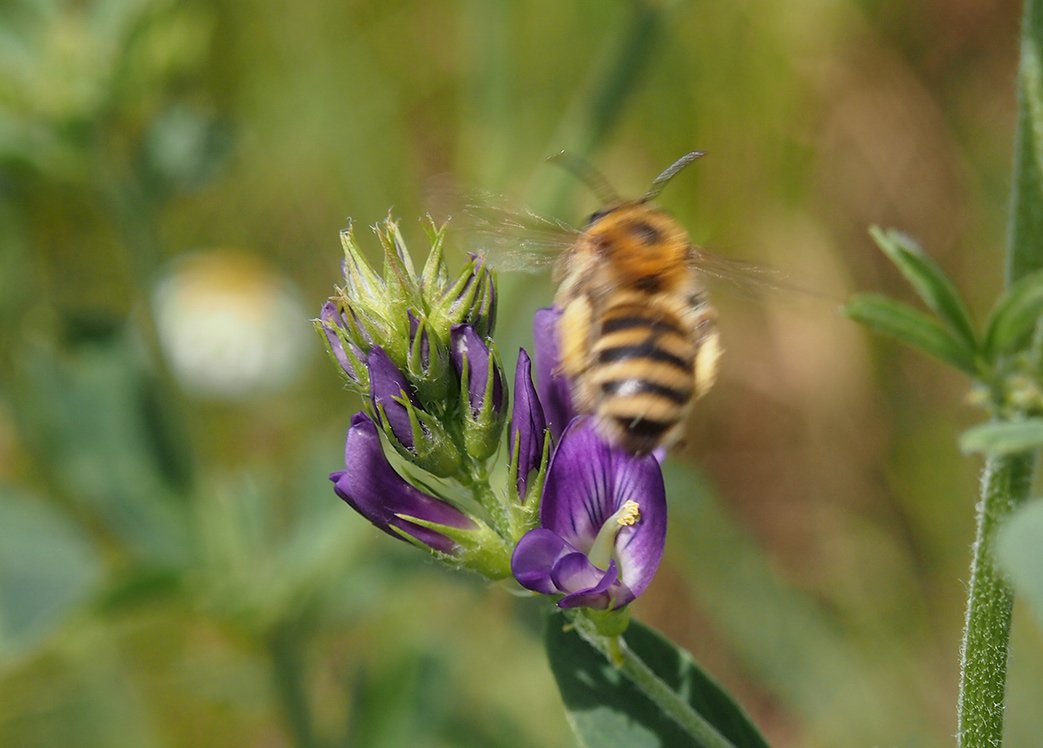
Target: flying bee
(638, 336)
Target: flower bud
(373, 488)
(482, 392)
(340, 347)
(416, 434)
(471, 300)
(427, 361)
(526, 435)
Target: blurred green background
(174, 567)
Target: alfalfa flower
(602, 524)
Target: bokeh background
(174, 567)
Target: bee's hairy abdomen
(641, 374)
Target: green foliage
(1014, 318)
(606, 708)
(929, 282)
(912, 327)
(1020, 550)
(1004, 437)
(48, 568)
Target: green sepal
(361, 380)
(363, 284)
(435, 275)
(929, 282)
(433, 450)
(1004, 437)
(912, 327)
(481, 549)
(525, 510)
(470, 300)
(608, 623)
(1014, 317)
(399, 276)
(433, 381)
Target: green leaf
(48, 567)
(1015, 316)
(605, 709)
(97, 419)
(1004, 437)
(913, 328)
(1020, 551)
(929, 281)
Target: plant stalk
(986, 639)
(1007, 479)
(671, 703)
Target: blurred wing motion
(510, 238)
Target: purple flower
(554, 388)
(603, 524)
(392, 394)
(373, 488)
(415, 433)
(348, 355)
(528, 426)
(467, 345)
(482, 390)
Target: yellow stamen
(629, 513)
(601, 552)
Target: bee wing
(750, 278)
(510, 238)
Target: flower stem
(671, 703)
(986, 639)
(1007, 479)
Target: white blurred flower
(229, 325)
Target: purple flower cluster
(584, 522)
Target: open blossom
(602, 524)
(373, 488)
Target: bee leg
(574, 336)
(707, 354)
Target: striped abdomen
(641, 380)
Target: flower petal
(555, 389)
(534, 558)
(387, 382)
(373, 488)
(467, 343)
(601, 595)
(527, 423)
(587, 482)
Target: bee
(638, 336)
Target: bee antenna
(669, 173)
(587, 174)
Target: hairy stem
(983, 654)
(1006, 481)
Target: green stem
(1007, 479)
(1025, 231)
(986, 638)
(670, 703)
